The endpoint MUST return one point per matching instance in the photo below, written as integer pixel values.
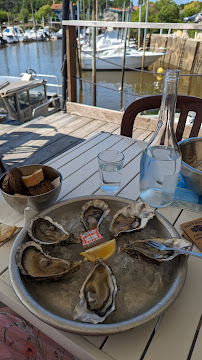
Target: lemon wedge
(103, 251)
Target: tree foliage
(24, 15)
(160, 11)
(44, 11)
(3, 16)
(192, 8)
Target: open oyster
(93, 212)
(45, 231)
(130, 218)
(143, 247)
(97, 295)
(33, 262)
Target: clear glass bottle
(161, 160)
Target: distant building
(57, 9)
(115, 14)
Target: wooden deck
(42, 139)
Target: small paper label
(193, 229)
(91, 238)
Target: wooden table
(176, 334)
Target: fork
(162, 247)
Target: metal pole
(145, 34)
(96, 15)
(139, 31)
(123, 17)
(65, 16)
(131, 6)
(71, 10)
(89, 10)
(124, 54)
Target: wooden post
(65, 16)
(71, 62)
(94, 56)
(79, 48)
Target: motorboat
(2, 41)
(113, 59)
(110, 40)
(26, 97)
(102, 44)
(14, 34)
(59, 34)
(35, 35)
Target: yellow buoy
(160, 70)
(159, 77)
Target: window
(23, 99)
(12, 103)
(37, 94)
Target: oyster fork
(162, 247)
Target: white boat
(14, 34)
(59, 34)
(34, 35)
(102, 44)
(113, 59)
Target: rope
(108, 88)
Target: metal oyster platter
(144, 289)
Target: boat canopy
(8, 88)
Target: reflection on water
(46, 58)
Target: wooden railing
(71, 43)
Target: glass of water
(110, 167)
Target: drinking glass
(110, 168)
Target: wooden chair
(184, 104)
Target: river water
(45, 57)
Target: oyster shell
(130, 218)
(93, 212)
(143, 247)
(46, 231)
(33, 262)
(97, 295)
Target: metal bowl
(38, 202)
(191, 170)
(53, 302)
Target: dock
(44, 138)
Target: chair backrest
(184, 104)
(2, 168)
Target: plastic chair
(2, 166)
(184, 104)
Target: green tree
(190, 9)
(152, 13)
(24, 15)
(169, 12)
(160, 11)
(3, 16)
(44, 11)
